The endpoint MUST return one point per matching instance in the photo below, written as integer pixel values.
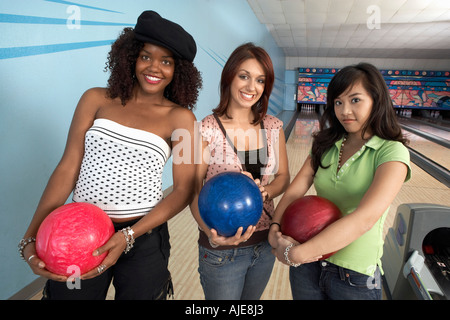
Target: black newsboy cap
(153, 28)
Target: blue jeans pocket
(356, 279)
(214, 258)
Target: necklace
(340, 152)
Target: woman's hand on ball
(38, 266)
(238, 238)
(264, 193)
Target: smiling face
(353, 108)
(154, 68)
(248, 84)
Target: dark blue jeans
(235, 274)
(322, 280)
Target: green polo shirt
(347, 187)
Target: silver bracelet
(286, 256)
(23, 243)
(129, 237)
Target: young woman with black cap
(118, 144)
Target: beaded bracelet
(286, 257)
(128, 233)
(23, 243)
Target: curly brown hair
(183, 89)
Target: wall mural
(412, 89)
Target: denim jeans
(234, 274)
(325, 281)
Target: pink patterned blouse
(223, 158)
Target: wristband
(279, 225)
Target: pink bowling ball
(68, 236)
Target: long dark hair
(382, 120)
(183, 89)
(239, 55)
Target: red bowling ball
(307, 216)
(68, 236)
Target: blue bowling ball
(228, 201)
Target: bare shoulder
(89, 104)
(97, 94)
(182, 117)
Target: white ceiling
(415, 30)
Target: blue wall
(51, 51)
(290, 94)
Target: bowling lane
(422, 126)
(431, 150)
(299, 143)
(445, 123)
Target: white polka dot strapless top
(122, 169)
